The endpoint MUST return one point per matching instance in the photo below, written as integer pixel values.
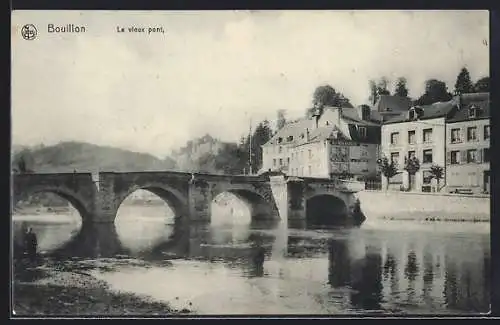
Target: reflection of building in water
(419, 271)
(467, 281)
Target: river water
(234, 266)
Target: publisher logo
(29, 32)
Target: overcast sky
(210, 72)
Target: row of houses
(348, 142)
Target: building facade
(418, 133)
(468, 146)
(335, 142)
(453, 135)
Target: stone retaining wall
(408, 205)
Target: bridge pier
(199, 201)
(296, 201)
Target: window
(288, 161)
(290, 138)
(274, 162)
(454, 157)
(471, 133)
(395, 157)
(411, 154)
(310, 154)
(486, 155)
(412, 114)
(472, 111)
(281, 162)
(427, 156)
(411, 137)
(327, 123)
(280, 150)
(486, 132)
(394, 138)
(471, 156)
(280, 140)
(362, 132)
(388, 109)
(427, 135)
(455, 135)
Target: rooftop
(479, 100)
(391, 103)
(436, 110)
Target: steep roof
(394, 103)
(351, 115)
(479, 100)
(292, 129)
(436, 110)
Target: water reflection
(264, 267)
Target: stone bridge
(191, 195)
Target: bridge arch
(260, 205)
(84, 208)
(174, 198)
(325, 208)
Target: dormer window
(415, 113)
(473, 111)
(290, 138)
(280, 140)
(327, 123)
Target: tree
(281, 120)
(463, 85)
(400, 89)
(437, 173)
(326, 95)
(412, 166)
(482, 85)
(388, 169)
(435, 91)
(382, 86)
(378, 88)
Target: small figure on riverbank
(30, 243)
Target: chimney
(316, 115)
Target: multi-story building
(420, 133)
(453, 135)
(337, 141)
(468, 145)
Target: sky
(218, 72)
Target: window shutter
(448, 157)
(463, 134)
(463, 157)
(479, 156)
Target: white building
(339, 141)
(419, 133)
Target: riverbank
(53, 288)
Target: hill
(86, 157)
